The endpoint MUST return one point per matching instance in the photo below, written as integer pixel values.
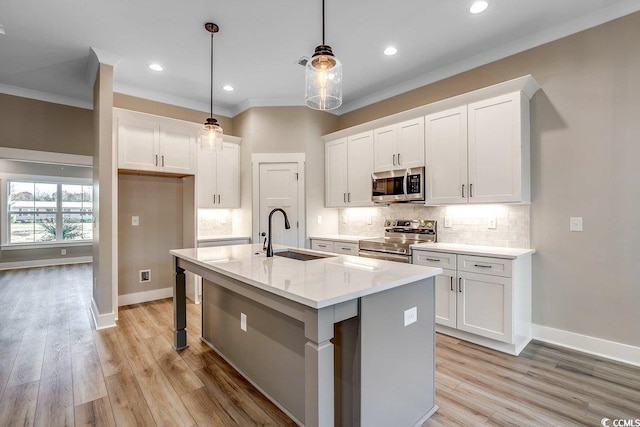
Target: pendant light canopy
(211, 134)
(323, 75)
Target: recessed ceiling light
(2, 32)
(228, 88)
(390, 51)
(478, 6)
(156, 67)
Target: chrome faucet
(286, 225)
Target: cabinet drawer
(345, 248)
(485, 265)
(435, 259)
(322, 245)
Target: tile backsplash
(469, 223)
(214, 222)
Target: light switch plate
(135, 221)
(410, 316)
(319, 219)
(575, 223)
(447, 222)
(243, 322)
(492, 223)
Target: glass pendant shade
(211, 135)
(323, 75)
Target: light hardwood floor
(56, 370)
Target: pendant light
(211, 134)
(323, 75)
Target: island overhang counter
(337, 340)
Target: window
(41, 212)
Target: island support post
(179, 308)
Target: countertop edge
(487, 251)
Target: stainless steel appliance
(400, 234)
(406, 185)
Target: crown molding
(46, 97)
(97, 57)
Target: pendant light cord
(323, 22)
(211, 84)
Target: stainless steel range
(400, 234)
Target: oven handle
(385, 256)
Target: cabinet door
(410, 144)
(485, 306)
(335, 157)
(322, 245)
(384, 149)
(138, 141)
(206, 178)
(177, 149)
(228, 176)
(446, 296)
(359, 169)
(495, 150)
(446, 144)
(345, 248)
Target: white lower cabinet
(484, 300)
(336, 247)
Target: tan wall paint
(37, 125)
(585, 150)
(286, 130)
(166, 110)
(158, 203)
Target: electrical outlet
(447, 222)
(63, 252)
(145, 276)
(492, 223)
(575, 223)
(410, 316)
(319, 219)
(135, 221)
(243, 322)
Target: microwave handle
(404, 183)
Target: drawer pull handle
(322, 246)
(433, 259)
(482, 266)
(451, 277)
(346, 249)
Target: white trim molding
(145, 296)
(597, 346)
(102, 321)
(45, 157)
(45, 262)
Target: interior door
(279, 189)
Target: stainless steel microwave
(405, 185)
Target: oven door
(385, 256)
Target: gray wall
(584, 153)
(158, 203)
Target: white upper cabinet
(446, 136)
(399, 146)
(348, 168)
(218, 177)
(479, 153)
(155, 144)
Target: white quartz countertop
(317, 283)
(341, 238)
(221, 238)
(490, 251)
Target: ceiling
(44, 53)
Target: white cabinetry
(399, 146)
(345, 248)
(348, 168)
(482, 299)
(155, 144)
(218, 177)
(479, 153)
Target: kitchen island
(332, 340)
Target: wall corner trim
(102, 321)
(596, 346)
(145, 296)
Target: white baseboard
(102, 321)
(45, 262)
(145, 296)
(611, 350)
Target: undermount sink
(301, 256)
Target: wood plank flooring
(57, 370)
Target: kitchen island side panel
(271, 352)
(397, 361)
